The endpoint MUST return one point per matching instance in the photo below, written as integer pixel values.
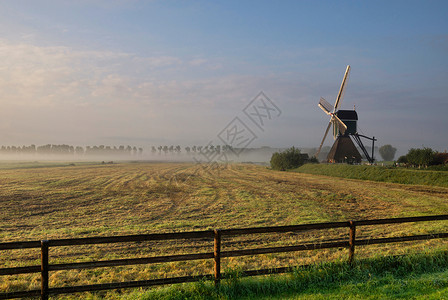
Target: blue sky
(177, 72)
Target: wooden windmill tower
(344, 123)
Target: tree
(289, 159)
(79, 150)
(387, 152)
(420, 157)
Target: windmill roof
(347, 114)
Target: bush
(314, 160)
(288, 159)
(402, 159)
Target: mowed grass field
(83, 200)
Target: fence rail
(212, 235)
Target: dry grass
(130, 198)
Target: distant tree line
(423, 157)
(165, 149)
(112, 150)
(72, 150)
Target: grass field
(433, 176)
(64, 200)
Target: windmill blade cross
(332, 111)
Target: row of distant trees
(423, 157)
(188, 150)
(416, 157)
(73, 150)
(111, 150)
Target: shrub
(314, 160)
(402, 159)
(288, 159)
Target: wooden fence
(216, 235)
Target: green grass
(378, 173)
(439, 168)
(421, 276)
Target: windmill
(344, 123)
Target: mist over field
(251, 155)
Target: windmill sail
(342, 89)
(325, 106)
(323, 140)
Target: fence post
(44, 270)
(217, 256)
(352, 242)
